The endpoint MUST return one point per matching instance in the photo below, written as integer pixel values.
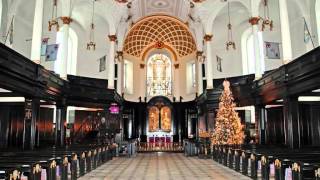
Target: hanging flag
(44, 46)
(219, 64)
(52, 52)
(272, 50)
(102, 63)
(306, 31)
(10, 32)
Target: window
(159, 75)
(249, 54)
(128, 77)
(194, 78)
(72, 51)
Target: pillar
(291, 122)
(259, 57)
(61, 64)
(285, 32)
(120, 72)
(32, 108)
(37, 32)
(110, 62)
(260, 123)
(209, 62)
(199, 72)
(61, 117)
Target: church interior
(159, 89)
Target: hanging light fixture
(266, 21)
(230, 42)
(54, 18)
(92, 45)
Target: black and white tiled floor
(162, 166)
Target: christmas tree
(228, 128)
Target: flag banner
(272, 50)
(52, 52)
(307, 35)
(219, 64)
(44, 46)
(102, 64)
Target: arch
(161, 31)
(217, 7)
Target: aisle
(162, 166)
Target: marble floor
(162, 166)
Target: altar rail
(163, 147)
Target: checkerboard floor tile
(162, 166)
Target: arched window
(317, 6)
(249, 55)
(159, 75)
(72, 50)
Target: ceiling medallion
(159, 45)
(198, 1)
(121, 1)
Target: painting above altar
(159, 120)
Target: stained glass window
(159, 75)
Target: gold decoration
(75, 157)
(204, 134)
(65, 161)
(53, 164)
(66, 19)
(317, 173)
(112, 38)
(277, 163)
(159, 28)
(142, 66)
(207, 37)
(15, 175)
(252, 157)
(254, 20)
(263, 160)
(295, 167)
(176, 66)
(266, 21)
(36, 169)
(230, 42)
(228, 127)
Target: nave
(165, 166)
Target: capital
(254, 20)
(112, 37)
(66, 19)
(208, 37)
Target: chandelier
(230, 42)
(92, 45)
(53, 22)
(266, 21)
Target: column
(285, 32)
(32, 108)
(260, 123)
(291, 121)
(120, 72)
(37, 32)
(110, 64)
(61, 117)
(61, 64)
(199, 72)
(209, 63)
(258, 52)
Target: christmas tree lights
(228, 128)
